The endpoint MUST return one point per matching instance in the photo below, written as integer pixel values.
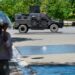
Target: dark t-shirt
(5, 47)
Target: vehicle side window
(18, 17)
(25, 17)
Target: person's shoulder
(8, 34)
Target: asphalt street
(65, 35)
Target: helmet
(4, 20)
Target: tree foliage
(54, 8)
(58, 9)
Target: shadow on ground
(17, 39)
(45, 33)
(38, 33)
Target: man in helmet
(5, 45)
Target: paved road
(44, 37)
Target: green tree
(58, 9)
(54, 8)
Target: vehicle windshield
(5, 18)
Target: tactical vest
(5, 53)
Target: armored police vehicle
(36, 21)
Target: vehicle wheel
(34, 22)
(23, 29)
(54, 28)
(44, 22)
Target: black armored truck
(36, 21)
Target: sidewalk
(35, 38)
(67, 58)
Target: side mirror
(1, 21)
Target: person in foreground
(5, 45)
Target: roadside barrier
(69, 23)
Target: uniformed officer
(5, 45)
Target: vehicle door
(34, 17)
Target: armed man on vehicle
(5, 45)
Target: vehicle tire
(44, 22)
(54, 28)
(23, 28)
